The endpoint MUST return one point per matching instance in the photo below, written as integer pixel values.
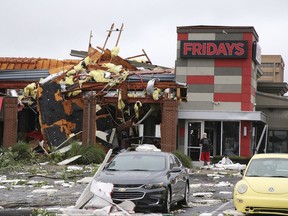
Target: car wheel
(167, 203)
(186, 195)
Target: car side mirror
(176, 169)
(242, 171)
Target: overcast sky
(51, 28)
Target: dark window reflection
(277, 142)
(230, 145)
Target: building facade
(220, 65)
(271, 100)
(273, 68)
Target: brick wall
(10, 121)
(169, 126)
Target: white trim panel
(222, 115)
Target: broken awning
(223, 115)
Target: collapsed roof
(122, 88)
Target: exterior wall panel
(228, 106)
(182, 70)
(200, 71)
(227, 88)
(200, 97)
(226, 35)
(201, 36)
(197, 105)
(200, 63)
(228, 80)
(228, 71)
(200, 88)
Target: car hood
(268, 185)
(130, 177)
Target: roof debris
(126, 92)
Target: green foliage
(57, 157)
(40, 184)
(21, 151)
(10, 160)
(90, 153)
(42, 212)
(185, 159)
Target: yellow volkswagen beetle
(264, 186)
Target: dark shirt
(206, 144)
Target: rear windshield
(137, 162)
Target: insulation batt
(30, 90)
(156, 94)
(71, 72)
(69, 80)
(137, 106)
(115, 51)
(113, 68)
(99, 75)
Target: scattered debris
(224, 184)
(49, 192)
(225, 192)
(101, 196)
(147, 147)
(69, 160)
(206, 202)
(203, 194)
(226, 163)
(87, 194)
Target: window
(269, 65)
(177, 161)
(230, 143)
(137, 162)
(268, 167)
(277, 142)
(268, 74)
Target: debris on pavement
(87, 194)
(226, 163)
(69, 160)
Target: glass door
(194, 135)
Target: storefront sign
(256, 53)
(213, 49)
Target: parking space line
(220, 207)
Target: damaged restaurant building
(101, 98)
(214, 89)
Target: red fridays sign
(213, 49)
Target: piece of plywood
(69, 160)
(87, 194)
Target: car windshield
(137, 163)
(268, 167)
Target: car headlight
(154, 185)
(242, 188)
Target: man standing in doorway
(205, 143)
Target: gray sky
(51, 28)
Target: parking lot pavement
(211, 193)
